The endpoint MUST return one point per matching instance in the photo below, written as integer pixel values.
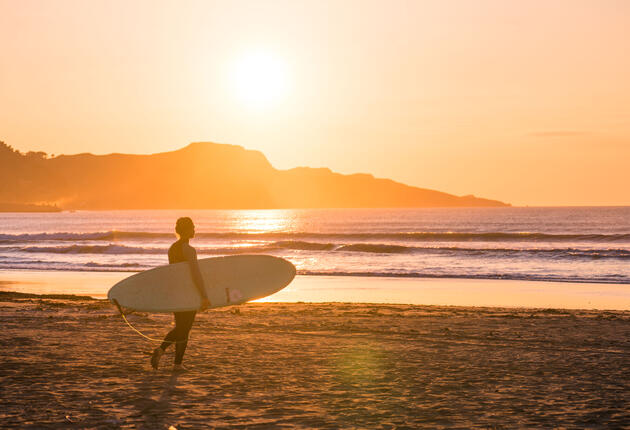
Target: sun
(260, 80)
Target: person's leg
(170, 338)
(183, 324)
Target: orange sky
(527, 102)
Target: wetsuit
(183, 320)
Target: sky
(527, 102)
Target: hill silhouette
(202, 175)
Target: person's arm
(191, 257)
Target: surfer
(181, 251)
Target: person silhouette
(181, 251)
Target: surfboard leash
(122, 314)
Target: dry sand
(72, 363)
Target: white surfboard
(229, 281)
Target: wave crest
(115, 249)
(298, 236)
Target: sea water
(578, 244)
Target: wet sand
(362, 289)
(71, 362)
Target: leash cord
(122, 314)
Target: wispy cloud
(559, 133)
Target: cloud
(559, 133)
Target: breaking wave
(115, 249)
(295, 236)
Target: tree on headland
(39, 155)
(7, 150)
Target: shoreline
(374, 290)
(66, 300)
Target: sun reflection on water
(264, 221)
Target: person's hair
(183, 226)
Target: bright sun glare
(260, 80)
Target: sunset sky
(526, 102)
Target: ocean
(571, 244)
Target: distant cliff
(202, 175)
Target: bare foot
(155, 357)
(180, 368)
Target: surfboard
(228, 280)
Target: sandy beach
(70, 362)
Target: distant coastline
(27, 207)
